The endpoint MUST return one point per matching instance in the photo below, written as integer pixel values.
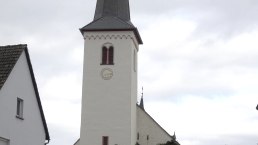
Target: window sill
(107, 64)
(19, 117)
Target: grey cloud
(232, 139)
(176, 93)
(220, 18)
(62, 136)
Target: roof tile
(8, 57)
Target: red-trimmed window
(107, 54)
(105, 140)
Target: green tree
(172, 142)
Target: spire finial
(141, 103)
(142, 91)
(174, 136)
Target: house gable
(18, 81)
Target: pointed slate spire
(112, 15)
(141, 102)
(116, 8)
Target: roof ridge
(7, 46)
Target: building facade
(22, 120)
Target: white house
(110, 113)
(22, 120)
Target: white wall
(29, 131)
(147, 126)
(109, 106)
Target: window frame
(105, 140)
(20, 108)
(107, 54)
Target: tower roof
(112, 15)
(117, 8)
(8, 58)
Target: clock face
(106, 73)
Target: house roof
(8, 58)
(112, 15)
(9, 55)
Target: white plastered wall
(146, 126)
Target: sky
(198, 64)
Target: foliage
(172, 142)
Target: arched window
(105, 140)
(107, 54)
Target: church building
(110, 113)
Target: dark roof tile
(8, 58)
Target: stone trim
(111, 36)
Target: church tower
(109, 95)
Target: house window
(138, 136)
(19, 111)
(105, 140)
(107, 54)
(147, 137)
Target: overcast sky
(198, 64)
